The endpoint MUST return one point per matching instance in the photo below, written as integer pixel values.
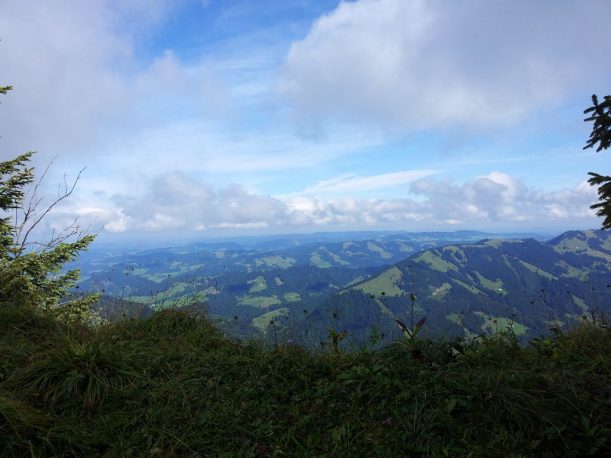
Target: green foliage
(600, 137)
(603, 207)
(37, 276)
(411, 334)
(14, 177)
(172, 385)
(27, 275)
(601, 119)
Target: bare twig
(32, 211)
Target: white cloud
(61, 78)
(500, 198)
(89, 88)
(174, 202)
(82, 77)
(90, 85)
(421, 64)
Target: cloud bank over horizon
(176, 202)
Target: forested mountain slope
(251, 279)
(303, 291)
(481, 288)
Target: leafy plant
(600, 137)
(412, 333)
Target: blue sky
(208, 118)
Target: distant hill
(464, 283)
(149, 276)
(480, 288)
(341, 249)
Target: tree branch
(31, 210)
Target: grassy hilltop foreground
(172, 385)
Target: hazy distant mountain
(323, 250)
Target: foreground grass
(172, 385)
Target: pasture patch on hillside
(387, 283)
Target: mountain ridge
(465, 287)
(487, 286)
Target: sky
(198, 118)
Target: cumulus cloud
(79, 73)
(93, 83)
(177, 202)
(90, 87)
(61, 78)
(421, 64)
(498, 197)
